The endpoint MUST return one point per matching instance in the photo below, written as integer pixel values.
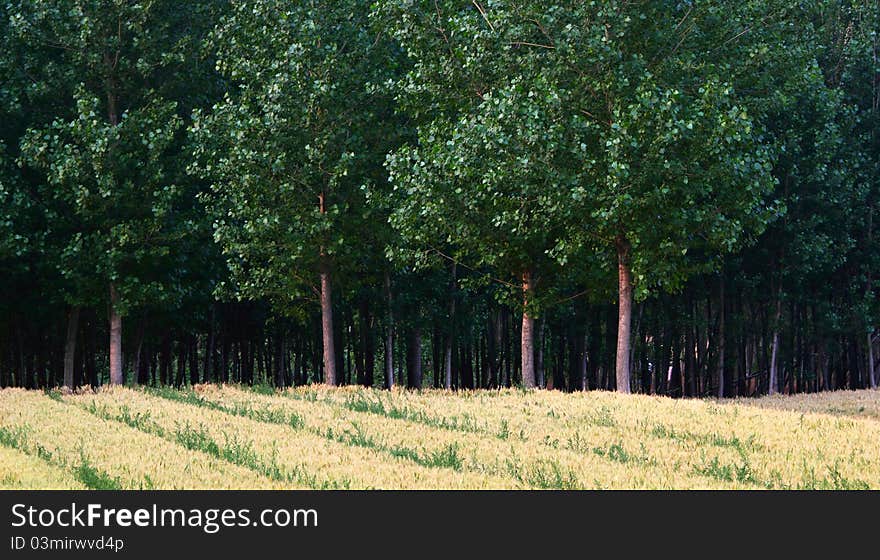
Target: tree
(107, 164)
(498, 153)
(286, 153)
(649, 152)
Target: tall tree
(291, 145)
(498, 154)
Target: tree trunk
(90, 348)
(193, 355)
(721, 308)
(505, 347)
(493, 344)
(181, 362)
(414, 359)
(539, 355)
(528, 335)
(278, 362)
(327, 334)
(774, 376)
(225, 349)
(368, 344)
(209, 346)
(447, 360)
(116, 377)
(139, 346)
(690, 373)
(389, 336)
(624, 314)
(165, 360)
(869, 289)
(70, 346)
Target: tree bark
(493, 344)
(327, 334)
(505, 348)
(280, 354)
(450, 333)
(869, 288)
(209, 374)
(116, 377)
(368, 346)
(389, 336)
(539, 355)
(70, 347)
(527, 334)
(193, 356)
(414, 359)
(721, 308)
(139, 346)
(774, 377)
(690, 373)
(165, 360)
(624, 314)
(179, 380)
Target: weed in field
(14, 437)
(94, 478)
(447, 457)
(464, 423)
(196, 439)
(504, 432)
(546, 475)
(834, 481)
(732, 472)
(602, 417)
(715, 439)
(266, 414)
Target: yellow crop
(350, 437)
(19, 471)
(73, 439)
(291, 453)
(591, 462)
(743, 441)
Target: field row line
(601, 462)
(695, 427)
(286, 452)
(108, 455)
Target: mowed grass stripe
(287, 450)
(20, 471)
(601, 463)
(105, 454)
(724, 440)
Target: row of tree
(671, 197)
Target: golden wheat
(20, 471)
(282, 449)
(72, 439)
(596, 459)
(319, 437)
(732, 441)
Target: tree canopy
(662, 197)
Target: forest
(656, 196)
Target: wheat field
(228, 437)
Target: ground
(316, 437)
